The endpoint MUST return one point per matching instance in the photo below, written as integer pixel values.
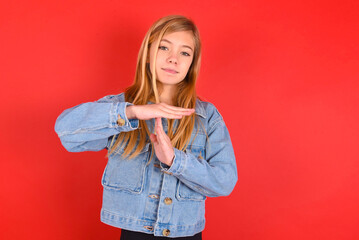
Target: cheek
(159, 61)
(188, 65)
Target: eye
(162, 47)
(186, 54)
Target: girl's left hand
(162, 144)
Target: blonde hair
(144, 89)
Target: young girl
(167, 150)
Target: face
(174, 57)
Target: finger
(158, 126)
(164, 140)
(171, 116)
(161, 135)
(164, 135)
(168, 140)
(153, 138)
(178, 108)
(155, 129)
(182, 112)
(170, 112)
(161, 139)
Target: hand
(149, 111)
(162, 144)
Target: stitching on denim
(136, 125)
(114, 114)
(136, 219)
(143, 150)
(185, 198)
(200, 103)
(81, 130)
(174, 170)
(182, 163)
(215, 123)
(139, 220)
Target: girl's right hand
(146, 112)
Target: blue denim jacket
(153, 198)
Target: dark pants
(130, 235)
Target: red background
(282, 73)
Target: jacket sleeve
(217, 174)
(87, 126)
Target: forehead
(180, 38)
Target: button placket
(165, 206)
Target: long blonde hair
(144, 89)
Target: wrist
(130, 113)
(171, 161)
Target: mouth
(169, 70)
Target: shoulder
(209, 112)
(112, 98)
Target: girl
(167, 150)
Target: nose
(172, 58)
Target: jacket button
(166, 232)
(120, 121)
(168, 201)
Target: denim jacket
(153, 198)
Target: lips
(170, 70)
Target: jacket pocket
(126, 174)
(184, 193)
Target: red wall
(284, 76)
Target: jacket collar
(200, 111)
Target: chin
(168, 81)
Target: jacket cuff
(178, 164)
(119, 112)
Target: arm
(215, 176)
(87, 127)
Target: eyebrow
(165, 40)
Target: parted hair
(146, 88)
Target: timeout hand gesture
(161, 142)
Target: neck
(167, 94)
